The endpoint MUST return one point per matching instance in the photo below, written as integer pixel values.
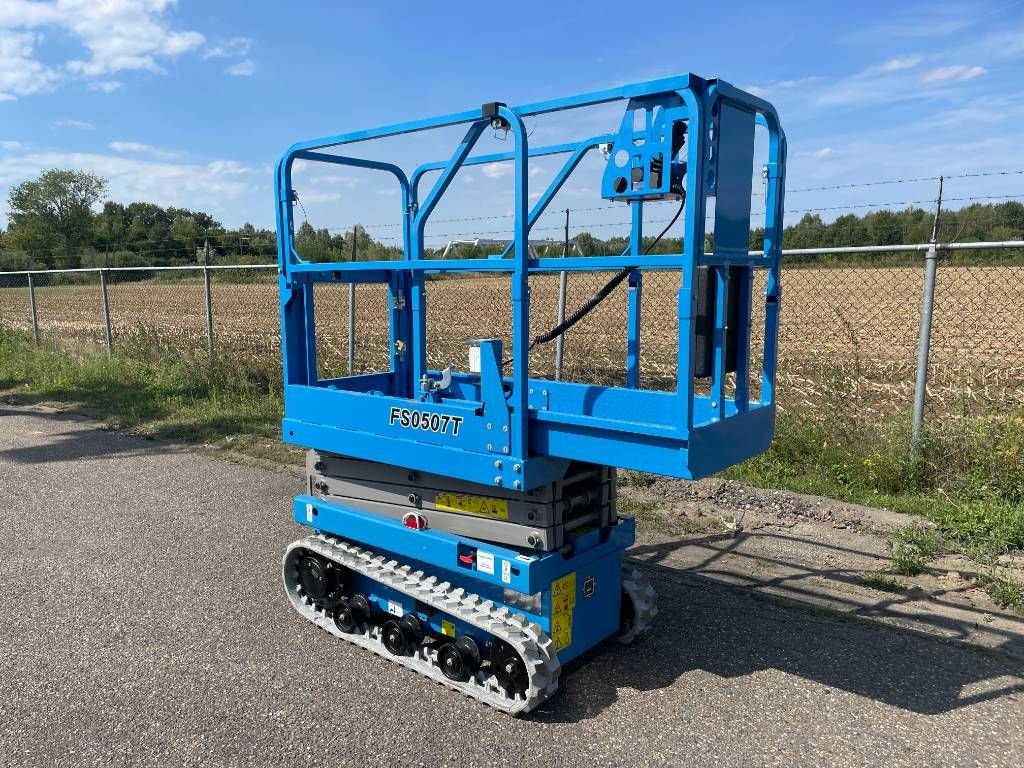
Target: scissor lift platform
(488, 603)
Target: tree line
(62, 220)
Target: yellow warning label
(482, 506)
(447, 628)
(563, 600)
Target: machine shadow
(705, 626)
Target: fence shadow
(87, 442)
(705, 626)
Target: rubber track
(534, 647)
(645, 602)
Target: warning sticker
(485, 562)
(395, 609)
(481, 506)
(506, 571)
(447, 628)
(563, 600)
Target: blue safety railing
(498, 425)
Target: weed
(632, 479)
(911, 547)
(881, 582)
(1005, 591)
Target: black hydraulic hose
(600, 296)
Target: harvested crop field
(855, 324)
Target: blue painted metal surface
(679, 136)
(621, 426)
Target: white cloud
(900, 63)
(817, 154)
(955, 73)
(496, 170)
(210, 186)
(20, 73)
(66, 122)
(105, 86)
(243, 68)
(10, 145)
(387, 191)
(468, 179)
(349, 182)
(227, 49)
(119, 35)
(319, 197)
(135, 146)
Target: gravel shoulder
(143, 623)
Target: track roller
(509, 668)
(320, 579)
(394, 638)
(412, 628)
(345, 618)
(460, 660)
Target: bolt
(488, 425)
(714, 403)
(498, 480)
(490, 447)
(516, 484)
(505, 428)
(531, 390)
(517, 468)
(498, 464)
(534, 541)
(504, 449)
(319, 466)
(414, 499)
(544, 392)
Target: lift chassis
(464, 522)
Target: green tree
(53, 215)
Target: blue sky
(189, 103)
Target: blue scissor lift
(464, 521)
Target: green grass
(1005, 591)
(151, 392)
(970, 482)
(881, 582)
(912, 547)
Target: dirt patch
(820, 552)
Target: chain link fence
(848, 330)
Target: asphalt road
(142, 623)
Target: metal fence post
(562, 285)
(32, 308)
(352, 312)
(106, 311)
(924, 341)
(209, 309)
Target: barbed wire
(263, 242)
